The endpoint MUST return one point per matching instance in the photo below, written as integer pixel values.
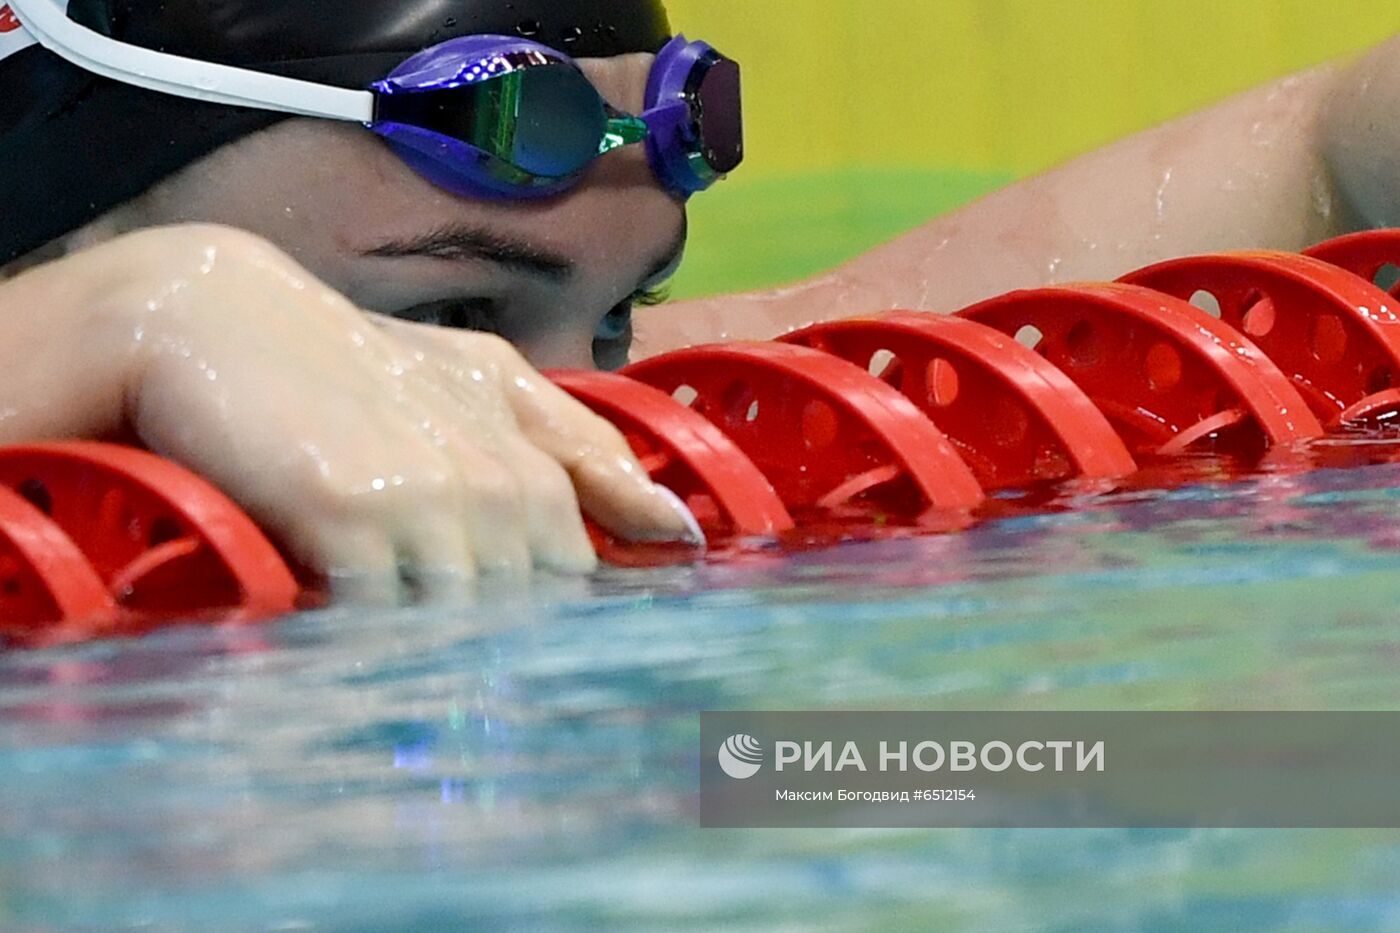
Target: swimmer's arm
(1360, 137)
(1275, 167)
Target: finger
(435, 562)
(612, 486)
(610, 483)
(481, 494)
(556, 535)
(694, 533)
(359, 565)
(493, 516)
(518, 507)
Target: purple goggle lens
(492, 116)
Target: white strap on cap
(44, 23)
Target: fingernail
(694, 535)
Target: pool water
(532, 762)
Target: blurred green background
(867, 118)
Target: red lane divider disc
(1336, 335)
(825, 433)
(164, 541)
(1156, 366)
(44, 579)
(1366, 254)
(686, 453)
(1379, 410)
(1369, 254)
(1016, 419)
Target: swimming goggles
(483, 116)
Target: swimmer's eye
(478, 314)
(617, 322)
(612, 341)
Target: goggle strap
(185, 77)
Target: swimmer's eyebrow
(459, 244)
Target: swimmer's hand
(399, 463)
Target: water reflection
(532, 761)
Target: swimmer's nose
(622, 81)
(627, 169)
(569, 348)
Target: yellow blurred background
(866, 117)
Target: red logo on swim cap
(8, 21)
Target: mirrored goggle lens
(545, 120)
(718, 101)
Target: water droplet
(1322, 197)
(572, 35)
(528, 27)
(450, 22)
(1162, 195)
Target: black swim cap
(74, 145)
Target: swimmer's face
(554, 277)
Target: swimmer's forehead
(621, 79)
